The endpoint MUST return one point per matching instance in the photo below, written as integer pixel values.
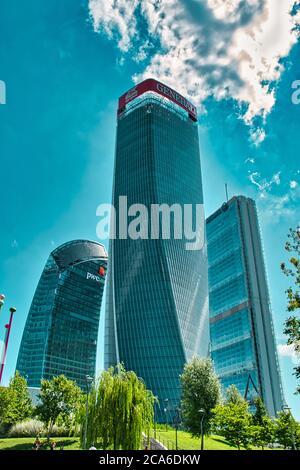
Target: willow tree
(120, 409)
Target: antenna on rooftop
(226, 192)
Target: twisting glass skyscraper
(60, 335)
(157, 303)
(241, 328)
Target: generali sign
(153, 85)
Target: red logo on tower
(153, 85)
(101, 271)
(131, 94)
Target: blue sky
(66, 63)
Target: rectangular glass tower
(241, 328)
(157, 301)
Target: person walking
(36, 444)
(52, 445)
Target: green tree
(260, 411)
(15, 403)
(292, 324)
(200, 390)
(263, 431)
(120, 409)
(263, 434)
(3, 403)
(287, 430)
(60, 398)
(234, 422)
(232, 395)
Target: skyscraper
(60, 335)
(241, 328)
(157, 302)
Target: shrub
(3, 430)
(34, 427)
(29, 428)
(59, 431)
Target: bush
(34, 427)
(3, 430)
(29, 428)
(59, 431)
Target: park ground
(25, 443)
(185, 442)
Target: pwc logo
(131, 94)
(93, 277)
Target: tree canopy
(263, 430)
(15, 403)
(292, 270)
(59, 398)
(260, 411)
(120, 409)
(287, 430)
(233, 421)
(232, 395)
(200, 391)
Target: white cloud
(273, 208)
(293, 184)
(262, 183)
(225, 48)
(276, 178)
(253, 177)
(257, 135)
(110, 17)
(285, 350)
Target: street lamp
(166, 410)
(176, 422)
(202, 413)
(2, 298)
(154, 420)
(88, 381)
(7, 333)
(286, 408)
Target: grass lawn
(25, 443)
(187, 442)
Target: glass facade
(241, 328)
(60, 335)
(157, 302)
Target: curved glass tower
(157, 302)
(60, 335)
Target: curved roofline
(78, 251)
(79, 240)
